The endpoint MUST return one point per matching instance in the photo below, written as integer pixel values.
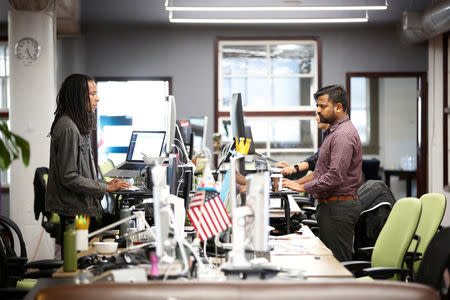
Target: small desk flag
(208, 214)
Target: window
(364, 111)
(4, 94)
(277, 80)
(126, 105)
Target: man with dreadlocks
(72, 187)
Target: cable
(39, 243)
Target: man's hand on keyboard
(117, 184)
(293, 185)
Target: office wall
(186, 53)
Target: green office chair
(105, 168)
(433, 209)
(392, 243)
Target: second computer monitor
(198, 127)
(237, 116)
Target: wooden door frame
(422, 119)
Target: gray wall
(186, 53)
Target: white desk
(306, 253)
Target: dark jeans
(337, 220)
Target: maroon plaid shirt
(339, 167)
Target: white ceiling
(153, 12)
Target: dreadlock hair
(336, 94)
(73, 101)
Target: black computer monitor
(248, 135)
(237, 116)
(198, 127)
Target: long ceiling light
(171, 7)
(360, 19)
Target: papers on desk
(296, 244)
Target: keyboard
(130, 167)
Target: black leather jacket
(72, 186)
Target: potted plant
(11, 147)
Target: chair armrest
(310, 223)
(365, 250)
(309, 211)
(45, 264)
(355, 266)
(385, 273)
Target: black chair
(15, 267)
(40, 187)
(371, 169)
(435, 262)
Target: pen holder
(81, 239)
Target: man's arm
(305, 179)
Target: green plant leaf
(12, 146)
(24, 148)
(5, 158)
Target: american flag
(208, 214)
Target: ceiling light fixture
(170, 7)
(268, 20)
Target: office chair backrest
(396, 235)
(435, 260)
(433, 209)
(104, 168)
(11, 266)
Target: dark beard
(327, 120)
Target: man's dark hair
(336, 94)
(73, 101)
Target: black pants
(337, 220)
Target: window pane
(291, 91)
(254, 91)
(359, 107)
(281, 132)
(2, 59)
(291, 134)
(241, 60)
(125, 106)
(3, 91)
(292, 59)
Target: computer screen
(198, 127)
(237, 116)
(257, 198)
(171, 118)
(248, 134)
(148, 143)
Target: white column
(435, 115)
(33, 93)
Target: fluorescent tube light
(246, 20)
(274, 8)
(271, 21)
(170, 7)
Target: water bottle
(124, 212)
(69, 252)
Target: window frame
(304, 111)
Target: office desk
(409, 175)
(307, 253)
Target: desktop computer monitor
(198, 128)
(248, 134)
(237, 116)
(257, 198)
(171, 116)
